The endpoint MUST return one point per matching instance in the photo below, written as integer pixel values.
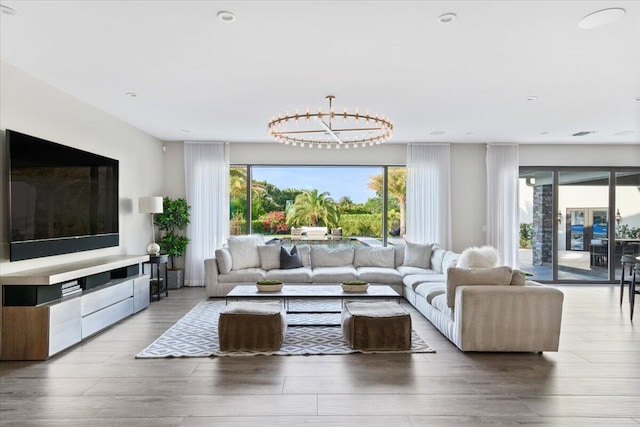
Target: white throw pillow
(437, 256)
(483, 257)
(417, 254)
(374, 257)
(223, 257)
(244, 251)
(269, 257)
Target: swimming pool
(332, 243)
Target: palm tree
(311, 207)
(396, 187)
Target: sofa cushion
(389, 276)
(244, 251)
(269, 257)
(223, 257)
(482, 257)
(406, 270)
(431, 290)
(331, 257)
(450, 259)
(248, 275)
(439, 302)
(498, 276)
(305, 254)
(290, 258)
(437, 256)
(334, 274)
(518, 278)
(374, 257)
(417, 255)
(292, 275)
(413, 280)
(399, 255)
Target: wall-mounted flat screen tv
(62, 199)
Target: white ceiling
(198, 78)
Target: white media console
(38, 322)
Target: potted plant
(171, 221)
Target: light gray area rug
(196, 335)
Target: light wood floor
(594, 380)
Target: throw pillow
(305, 254)
(417, 254)
(374, 257)
(223, 256)
(483, 257)
(456, 276)
(518, 278)
(290, 259)
(269, 257)
(244, 251)
(437, 256)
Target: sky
(339, 181)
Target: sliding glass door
(569, 216)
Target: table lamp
(151, 205)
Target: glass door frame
(556, 170)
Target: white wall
(580, 155)
(33, 107)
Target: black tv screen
(62, 199)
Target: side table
(156, 281)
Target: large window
(576, 223)
(349, 201)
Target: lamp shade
(150, 205)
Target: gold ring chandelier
(334, 129)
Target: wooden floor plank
(593, 380)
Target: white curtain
(206, 168)
(502, 201)
(428, 194)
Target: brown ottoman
(376, 325)
(248, 325)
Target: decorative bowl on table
(269, 285)
(355, 286)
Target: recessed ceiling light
(532, 98)
(7, 10)
(546, 132)
(447, 18)
(437, 132)
(185, 130)
(131, 94)
(638, 98)
(624, 132)
(226, 16)
(600, 18)
(469, 133)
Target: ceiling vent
(584, 132)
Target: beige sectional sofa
(476, 309)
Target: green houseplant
(174, 218)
